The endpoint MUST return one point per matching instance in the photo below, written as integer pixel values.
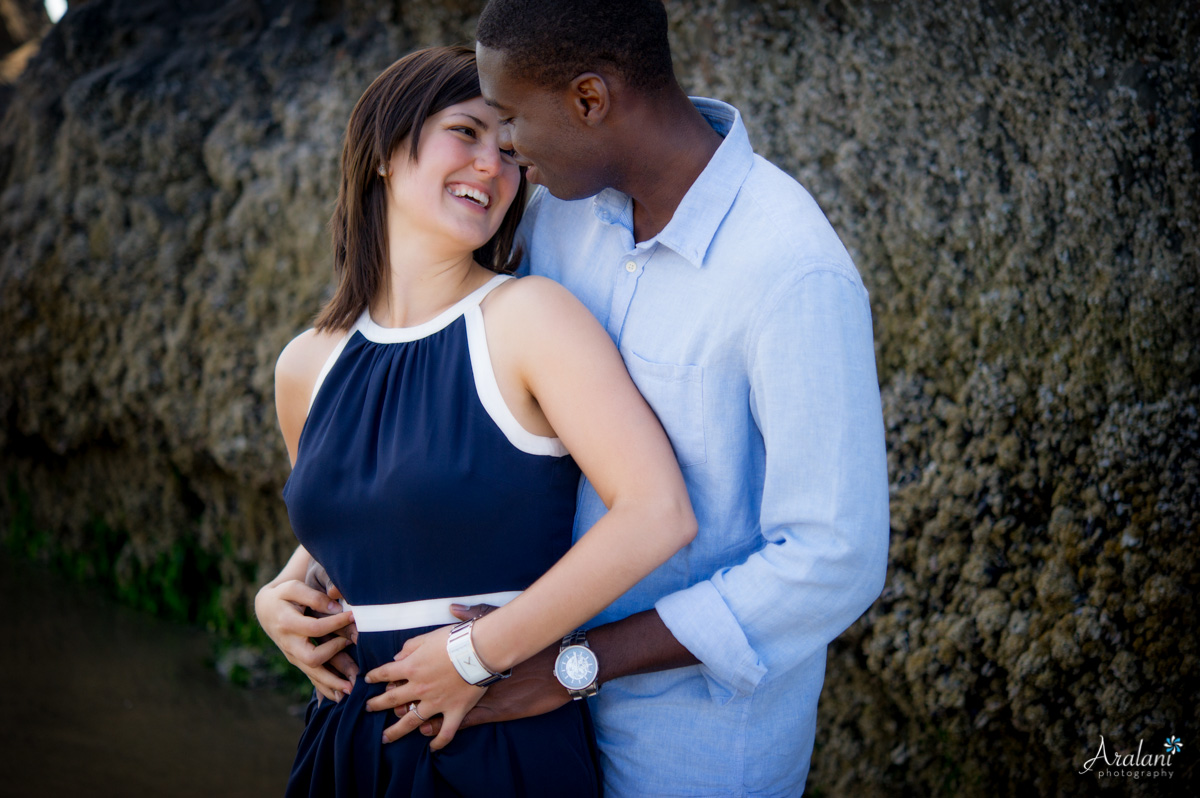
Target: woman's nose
(487, 160)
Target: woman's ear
(590, 100)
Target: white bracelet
(466, 660)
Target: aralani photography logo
(1138, 765)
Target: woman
(429, 418)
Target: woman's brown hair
(394, 107)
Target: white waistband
(416, 614)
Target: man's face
(536, 123)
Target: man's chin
(557, 190)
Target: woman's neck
(422, 287)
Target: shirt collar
(704, 206)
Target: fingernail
(334, 608)
(459, 607)
(384, 739)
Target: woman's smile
(472, 193)
(459, 158)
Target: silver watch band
(576, 638)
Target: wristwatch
(466, 661)
(577, 667)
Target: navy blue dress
(413, 481)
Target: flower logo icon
(1173, 745)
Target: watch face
(575, 667)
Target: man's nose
(505, 136)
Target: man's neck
(671, 144)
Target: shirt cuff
(702, 622)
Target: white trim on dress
(486, 386)
(399, 335)
(329, 361)
(491, 399)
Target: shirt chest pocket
(676, 394)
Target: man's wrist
(641, 643)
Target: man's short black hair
(552, 41)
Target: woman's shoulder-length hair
(394, 108)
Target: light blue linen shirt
(747, 328)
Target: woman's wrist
(487, 636)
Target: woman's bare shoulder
(532, 301)
(305, 354)
(296, 373)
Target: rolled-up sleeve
(814, 397)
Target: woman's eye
(466, 131)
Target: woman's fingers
(387, 672)
(402, 727)
(327, 683)
(450, 723)
(396, 695)
(309, 627)
(318, 656)
(330, 695)
(315, 600)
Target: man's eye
(508, 153)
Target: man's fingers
(465, 613)
(480, 713)
(317, 577)
(344, 664)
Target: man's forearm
(641, 643)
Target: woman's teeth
(475, 195)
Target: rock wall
(1017, 182)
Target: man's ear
(590, 100)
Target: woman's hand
(280, 608)
(422, 673)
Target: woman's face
(460, 186)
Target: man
(744, 323)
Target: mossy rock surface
(1016, 181)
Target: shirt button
(630, 266)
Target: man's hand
(531, 690)
(281, 610)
